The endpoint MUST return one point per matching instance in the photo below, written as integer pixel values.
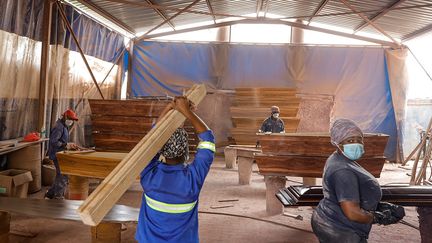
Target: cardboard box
(14, 183)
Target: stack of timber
(305, 154)
(252, 106)
(118, 125)
(403, 195)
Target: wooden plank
(267, 103)
(266, 91)
(137, 107)
(118, 181)
(308, 166)
(316, 144)
(93, 165)
(122, 124)
(291, 123)
(286, 111)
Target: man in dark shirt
(273, 124)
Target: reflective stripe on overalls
(207, 145)
(168, 207)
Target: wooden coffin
(93, 165)
(307, 166)
(316, 144)
(118, 125)
(305, 154)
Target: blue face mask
(353, 151)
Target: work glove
(396, 210)
(385, 217)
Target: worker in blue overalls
(59, 141)
(169, 209)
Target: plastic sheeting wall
(355, 77)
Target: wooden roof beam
(371, 23)
(211, 10)
(276, 21)
(162, 15)
(417, 33)
(379, 15)
(169, 19)
(318, 10)
(108, 16)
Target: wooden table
(244, 155)
(81, 166)
(304, 155)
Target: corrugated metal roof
(403, 21)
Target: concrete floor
(222, 184)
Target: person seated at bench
(169, 208)
(273, 124)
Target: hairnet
(177, 145)
(342, 129)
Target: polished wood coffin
(305, 154)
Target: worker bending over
(273, 124)
(59, 141)
(169, 209)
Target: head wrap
(342, 129)
(274, 109)
(177, 145)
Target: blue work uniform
(169, 209)
(58, 140)
(344, 180)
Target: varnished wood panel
(93, 165)
(138, 107)
(316, 144)
(308, 166)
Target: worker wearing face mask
(273, 124)
(352, 195)
(59, 141)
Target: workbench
(82, 166)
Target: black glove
(385, 217)
(396, 210)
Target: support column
(106, 232)
(4, 226)
(245, 170)
(273, 184)
(224, 34)
(129, 71)
(230, 157)
(78, 188)
(43, 78)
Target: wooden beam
(97, 205)
(46, 36)
(209, 6)
(266, 7)
(130, 70)
(259, 4)
(108, 16)
(69, 27)
(417, 33)
(162, 7)
(379, 15)
(365, 18)
(162, 15)
(276, 21)
(318, 9)
(170, 18)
